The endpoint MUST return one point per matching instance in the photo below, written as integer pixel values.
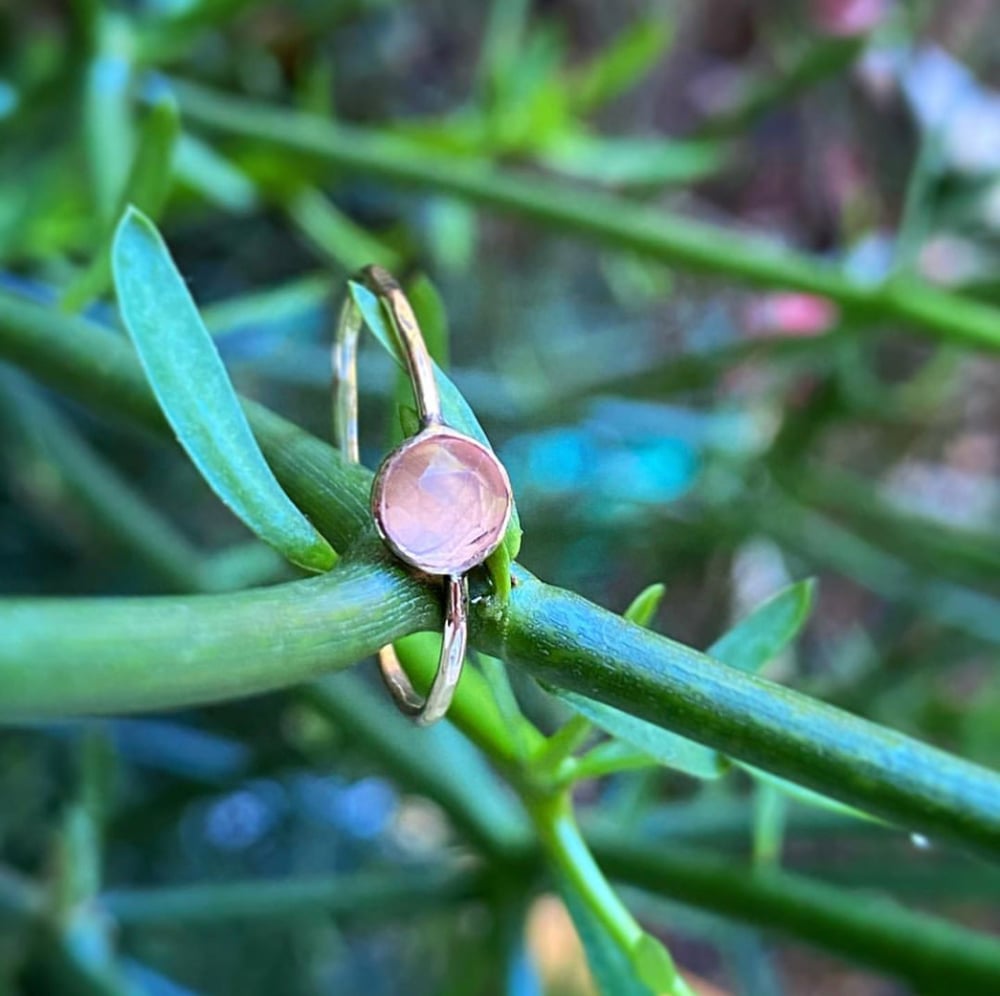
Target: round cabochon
(442, 501)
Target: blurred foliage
(659, 426)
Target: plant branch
(60, 657)
(930, 953)
(870, 930)
(79, 656)
(613, 220)
(376, 894)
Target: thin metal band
(425, 391)
(408, 699)
(418, 360)
(345, 381)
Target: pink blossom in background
(844, 18)
(789, 314)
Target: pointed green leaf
(196, 396)
(608, 758)
(763, 634)
(645, 604)
(805, 796)
(661, 746)
(667, 748)
(632, 162)
(623, 63)
(654, 966)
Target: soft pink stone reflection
(443, 503)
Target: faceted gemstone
(442, 502)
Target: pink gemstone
(442, 502)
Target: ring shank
(408, 699)
(419, 364)
(425, 390)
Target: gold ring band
(441, 501)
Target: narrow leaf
(196, 396)
(623, 63)
(147, 188)
(654, 966)
(632, 162)
(213, 177)
(334, 234)
(611, 757)
(107, 112)
(645, 604)
(769, 818)
(663, 746)
(805, 796)
(763, 634)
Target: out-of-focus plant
(582, 748)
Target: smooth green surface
(643, 607)
(618, 950)
(186, 374)
(56, 657)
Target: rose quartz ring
(441, 501)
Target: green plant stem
(930, 953)
(870, 930)
(561, 838)
(568, 642)
(173, 651)
(62, 657)
(374, 894)
(100, 369)
(120, 513)
(614, 221)
(76, 656)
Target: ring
(441, 500)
